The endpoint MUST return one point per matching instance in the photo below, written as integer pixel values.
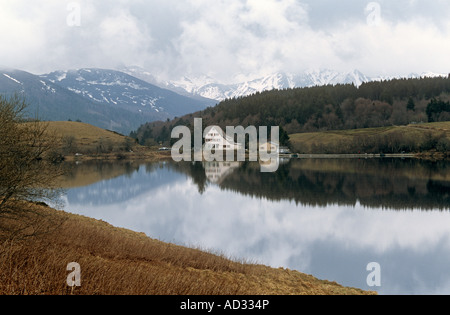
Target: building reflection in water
(216, 172)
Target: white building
(214, 139)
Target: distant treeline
(322, 108)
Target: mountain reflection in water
(328, 218)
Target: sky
(228, 40)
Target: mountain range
(277, 81)
(207, 87)
(105, 98)
(123, 100)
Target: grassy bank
(116, 261)
(425, 139)
(77, 141)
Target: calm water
(328, 218)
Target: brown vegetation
(27, 167)
(77, 137)
(81, 141)
(415, 138)
(120, 262)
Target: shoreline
(355, 156)
(153, 156)
(148, 156)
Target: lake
(329, 218)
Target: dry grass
(121, 262)
(78, 141)
(86, 136)
(416, 134)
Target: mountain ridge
(107, 99)
(116, 87)
(207, 87)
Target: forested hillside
(322, 108)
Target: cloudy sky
(227, 39)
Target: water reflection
(390, 184)
(329, 218)
(216, 172)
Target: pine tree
(411, 105)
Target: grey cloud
(325, 14)
(226, 38)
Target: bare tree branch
(26, 172)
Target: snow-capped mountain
(280, 81)
(107, 87)
(49, 101)
(120, 89)
(428, 74)
(207, 87)
(105, 98)
(148, 77)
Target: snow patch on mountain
(48, 88)
(11, 78)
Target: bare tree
(26, 173)
(69, 144)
